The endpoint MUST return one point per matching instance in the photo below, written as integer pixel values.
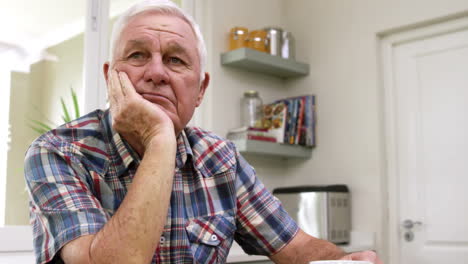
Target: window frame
(96, 52)
(5, 81)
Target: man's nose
(156, 71)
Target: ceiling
(37, 24)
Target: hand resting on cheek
(135, 118)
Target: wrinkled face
(159, 54)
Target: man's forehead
(165, 24)
(175, 46)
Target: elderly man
(133, 184)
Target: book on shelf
(300, 121)
(292, 120)
(287, 121)
(274, 120)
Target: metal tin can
(288, 46)
(274, 40)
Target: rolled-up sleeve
(263, 226)
(62, 205)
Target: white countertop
(16, 245)
(16, 239)
(359, 241)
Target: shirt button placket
(164, 243)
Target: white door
(429, 111)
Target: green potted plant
(42, 127)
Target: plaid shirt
(79, 173)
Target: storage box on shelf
(262, 62)
(263, 148)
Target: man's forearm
(304, 248)
(318, 249)
(132, 234)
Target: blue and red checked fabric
(79, 173)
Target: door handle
(409, 224)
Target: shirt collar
(183, 150)
(121, 149)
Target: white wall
(340, 41)
(228, 84)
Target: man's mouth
(157, 99)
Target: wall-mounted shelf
(250, 59)
(256, 147)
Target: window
(53, 46)
(36, 68)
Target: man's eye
(175, 60)
(137, 56)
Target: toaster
(321, 211)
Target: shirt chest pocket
(211, 237)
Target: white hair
(166, 7)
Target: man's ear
(203, 87)
(105, 68)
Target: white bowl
(340, 262)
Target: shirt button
(162, 240)
(214, 237)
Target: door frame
(388, 41)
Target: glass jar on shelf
(238, 38)
(257, 40)
(251, 110)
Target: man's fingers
(116, 87)
(127, 86)
(364, 255)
